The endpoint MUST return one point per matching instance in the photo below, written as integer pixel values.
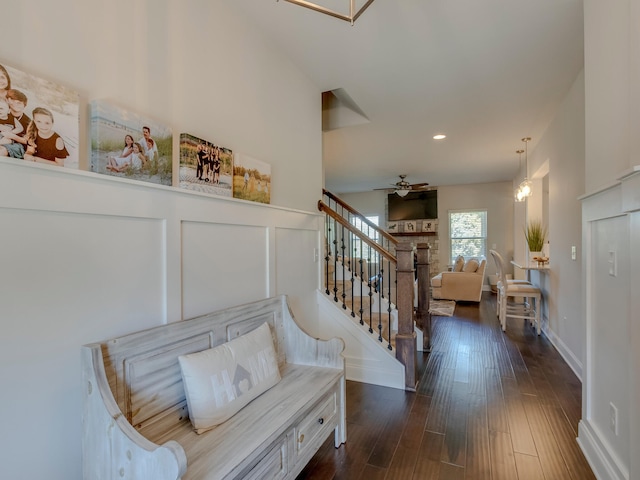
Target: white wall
(608, 31)
(496, 199)
(610, 227)
(87, 256)
(195, 65)
(368, 203)
(560, 152)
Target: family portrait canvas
(128, 145)
(205, 166)
(251, 179)
(39, 119)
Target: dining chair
(528, 309)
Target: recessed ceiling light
(440, 136)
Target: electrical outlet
(613, 418)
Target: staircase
(367, 297)
(364, 305)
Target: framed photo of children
(39, 119)
(128, 145)
(251, 179)
(205, 166)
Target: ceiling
(486, 73)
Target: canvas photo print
(39, 119)
(251, 179)
(128, 145)
(205, 167)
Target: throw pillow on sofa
(471, 266)
(459, 264)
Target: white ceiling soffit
(339, 111)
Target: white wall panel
(86, 257)
(298, 271)
(66, 279)
(222, 265)
(609, 346)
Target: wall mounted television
(413, 206)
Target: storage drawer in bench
(273, 465)
(313, 429)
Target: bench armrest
(112, 448)
(303, 349)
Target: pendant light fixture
(518, 194)
(525, 186)
(353, 15)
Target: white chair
(529, 309)
(497, 258)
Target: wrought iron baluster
(380, 297)
(361, 261)
(327, 232)
(335, 261)
(370, 285)
(389, 304)
(343, 248)
(351, 269)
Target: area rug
(443, 308)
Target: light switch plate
(573, 252)
(613, 264)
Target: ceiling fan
(402, 188)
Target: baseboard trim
(605, 465)
(565, 352)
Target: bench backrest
(143, 370)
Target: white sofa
(464, 283)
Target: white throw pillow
(220, 381)
(471, 266)
(457, 267)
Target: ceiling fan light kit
(402, 188)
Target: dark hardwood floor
(489, 405)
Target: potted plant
(536, 235)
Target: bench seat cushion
(225, 449)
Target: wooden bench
(135, 417)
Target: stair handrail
(362, 218)
(323, 207)
(403, 261)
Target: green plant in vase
(536, 234)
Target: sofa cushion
(219, 381)
(436, 281)
(459, 264)
(471, 266)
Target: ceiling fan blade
(419, 185)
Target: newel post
(423, 317)
(406, 339)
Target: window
(468, 233)
(367, 230)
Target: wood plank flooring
(489, 406)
